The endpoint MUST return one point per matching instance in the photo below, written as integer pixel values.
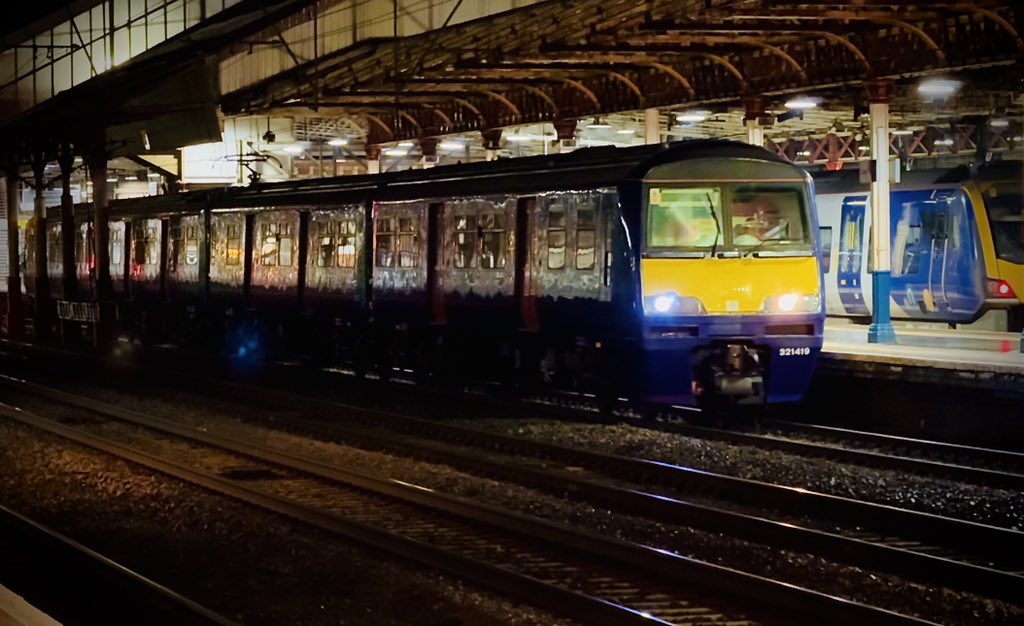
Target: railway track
(925, 547)
(76, 585)
(588, 577)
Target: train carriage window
(586, 239)
(191, 245)
(325, 239)
(385, 242)
(174, 247)
(285, 244)
(465, 241)
(684, 217)
(269, 245)
(116, 247)
(491, 237)
(408, 242)
(233, 249)
(346, 244)
(556, 237)
(826, 248)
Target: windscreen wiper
(718, 225)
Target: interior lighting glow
(903, 131)
(802, 103)
(338, 141)
(1017, 138)
(112, 179)
(944, 142)
(451, 145)
(396, 152)
(804, 153)
(938, 87)
(864, 148)
(293, 149)
(1000, 123)
(519, 138)
(405, 144)
(693, 116)
(625, 131)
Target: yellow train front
(729, 280)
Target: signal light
(999, 289)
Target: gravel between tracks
(938, 604)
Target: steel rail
(875, 553)
(783, 599)
(77, 585)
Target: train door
(850, 271)
(435, 259)
(525, 290)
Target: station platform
(16, 611)
(929, 354)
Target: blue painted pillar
(881, 329)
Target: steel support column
(15, 314)
(100, 226)
(41, 321)
(754, 111)
(373, 159)
(566, 132)
(652, 126)
(69, 279)
(428, 148)
(881, 329)
(492, 142)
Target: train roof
(845, 181)
(581, 169)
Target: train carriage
(957, 245)
(685, 273)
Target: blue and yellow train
(957, 245)
(686, 273)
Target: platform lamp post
(881, 329)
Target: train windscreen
(1006, 216)
(766, 219)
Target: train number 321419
(794, 351)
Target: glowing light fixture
(663, 303)
(802, 103)
(452, 145)
(999, 123)
(405, 144)
(338, 141)
(625, 131)
(944, 142)
(692, 117)
(396, 152)
(903, 131)
(938, 87)
(293, 149)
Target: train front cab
(1001, 225)
(730, 283)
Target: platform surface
(927, 347)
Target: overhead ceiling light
(804, 153)
(864, 148)
(405, 144)
(451, 145)
(598, 123)
(802, 103)
(625, 131)
(903, 131)
(693, 116)
(939, 87)
(338, 141)
(112, 178)
(395, 152)
(944, 142)
(293, 149)
(999, 123)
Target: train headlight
(671, 303)
(791, 303)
